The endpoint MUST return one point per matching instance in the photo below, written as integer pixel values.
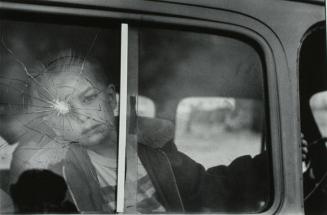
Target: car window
(58, 86)
(209, 92)
(64, 97)
(312, 91)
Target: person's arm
(244, 185)
(189, 176)
(245, 180)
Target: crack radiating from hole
(83, 63)
(21, 63)
(41, 112)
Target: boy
(75, 135)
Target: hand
(305, 151)
(304, 147)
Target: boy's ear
(111, 92)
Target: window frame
(276, 175)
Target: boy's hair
(64, 60)
(38, 191)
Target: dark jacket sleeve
(243, 186)
(189, 177)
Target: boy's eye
(90, 98)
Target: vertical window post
(122, 120)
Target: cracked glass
(58, 90)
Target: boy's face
(81, 109)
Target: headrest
(155, 132)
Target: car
(235, 78)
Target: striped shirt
(106, 168)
